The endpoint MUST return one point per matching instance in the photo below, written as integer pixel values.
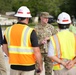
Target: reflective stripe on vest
(58, 52)
(75, 44)
(7, 32)
(25, 50)
(21, 54)
(56, 65)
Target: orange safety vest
(64, 47)
(19, 45)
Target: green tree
(37, 6)
(5, 5)
(54, 7)
(69, 6)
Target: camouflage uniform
(42, 32)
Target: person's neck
(21, 23)
(43, 23)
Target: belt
(43, 53)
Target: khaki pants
(3, 70)
(18, 72)
(47, 66)
(65, 72)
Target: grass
(30, 24)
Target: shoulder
(37, 25)
(8, 28)
(53, 37)
(50, 25)
(30, 28)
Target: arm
(38, 57)
(5, 46)
(52, 56)
(5, 49)
(34, 42)
(56, 59)
(53, 30)
(74, 60)
(71, 63)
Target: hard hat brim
(17, 15)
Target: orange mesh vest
(19, 45)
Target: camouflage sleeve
(53, 30)
(39, 39)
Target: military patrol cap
(44, 14)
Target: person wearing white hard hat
(62, 47)
(21, 45)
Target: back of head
(23, 12)
(64, 20)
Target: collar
(63, 29)
(21, 23)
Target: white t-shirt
(50, 49)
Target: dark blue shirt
(1, 38)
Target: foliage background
(54, 7)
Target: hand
(47, 38)
(39, 70)
(70, 64)
(63, 63)
(43, 41)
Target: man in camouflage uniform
(44, 31)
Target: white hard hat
(23, 11)
(64, 18)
